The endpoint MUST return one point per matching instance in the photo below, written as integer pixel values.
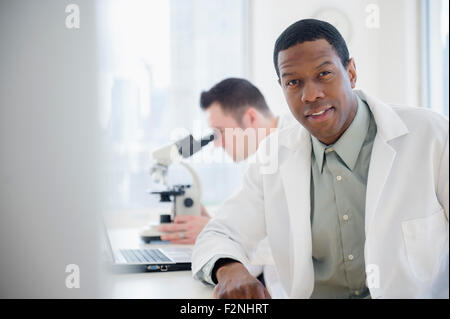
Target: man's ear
(249, 118)
(351, 71)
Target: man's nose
(311, 92)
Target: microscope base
(150, 233)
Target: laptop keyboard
(144, 256)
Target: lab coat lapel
(383, 156)
(389, 127)
(296, 175)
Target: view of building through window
(158, 57)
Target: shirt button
(339, 177)
(350, 257)
(345, 217)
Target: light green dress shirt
(338, 195)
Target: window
(158, 56)
(435, 49)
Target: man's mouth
(321, 114)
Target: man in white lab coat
(354, 201)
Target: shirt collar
(349, 144)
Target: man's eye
(292, 83)
(324, 73)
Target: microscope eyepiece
(188, 146)
(207, 139)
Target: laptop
(147, 259)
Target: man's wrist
(220, 263)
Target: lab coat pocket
(425, 241)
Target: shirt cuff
(205, 273)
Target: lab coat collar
(389, 124)
(294, 137)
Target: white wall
(387, 59)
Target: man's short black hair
(234, 95)
(310, 30)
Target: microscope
(185, 198)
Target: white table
(124, 233)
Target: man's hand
(234, 281)
(184, 230)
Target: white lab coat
(261, 259)
(406, 218)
